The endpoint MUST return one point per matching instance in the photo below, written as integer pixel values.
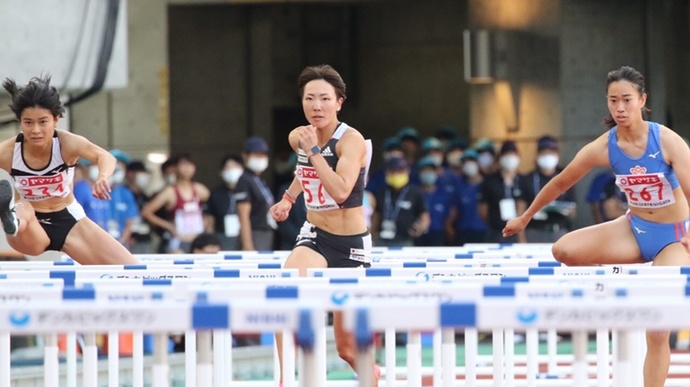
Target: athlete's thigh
(605, 243)
(89, 244)
(304, 258)
(672, 255)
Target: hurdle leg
(90, 360)
(227, 357)
(5, 359)
(471, 349)
(447, 358)
(509, 358)
(218, 359)
(320, 351)
(603, 373)
(532, 344)
(204, 366)
(137, 359)
(51, 362)
(552, 351)
(638, 348)
(414, 359)
(71, 350)
(497, 343)
(621, 368)
(160, 360)
(390, 357)
(288, 359)
(437, 357)
(580, 363)
(113, 359)
(190, 358)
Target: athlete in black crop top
(332, 163)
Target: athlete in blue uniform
(332, 161)
(644, 157)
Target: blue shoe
(8, 216)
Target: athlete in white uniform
(42, 213)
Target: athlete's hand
(101, 189)
(281, 210)
(307, 138)
(515, 226)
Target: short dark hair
(37, 93)
(203, 240)
(232, 156)
(325, 72)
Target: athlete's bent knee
(563, 253)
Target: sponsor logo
(638, 170)
(19, 319)
(339, 298)
(327, 151)
(527, 316)
(653, 155)
(640, 180)
(34, 181)
(639, 230)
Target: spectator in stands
(254, 198)
(138, 180)
(499, 193)
(554, 220)
(440, 203)
(469, 226)
(401, 213)
(222, 205)
(183, 200)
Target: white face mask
(93, 173)
(257, 164)
(509, 162)
(118, 176)
(142, 180)
(485, 160)
(231, 176)
(470, 168)
(438, 159)
(171, 179)
(547, 162)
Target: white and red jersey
(52, 181)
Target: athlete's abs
(52, 204)
(676, 212)
(342, 221)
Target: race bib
(315, 196)
(651, 190)
(189, 219)
(33, 188)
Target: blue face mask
(428, 177)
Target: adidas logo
(327, 151)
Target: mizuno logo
(639, 231)
(327, 151)
(653, 155)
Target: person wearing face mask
(456, 148)
(499, 194)
(469, 227)
(123, 207)
(401, 212)
(486, 159)
(254, 198)
(392, 147)
(183, 200)
(222, 204)
(554, 220)
(138, 180)
(442, 212)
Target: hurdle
(530, 275)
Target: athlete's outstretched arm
(592, 155)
